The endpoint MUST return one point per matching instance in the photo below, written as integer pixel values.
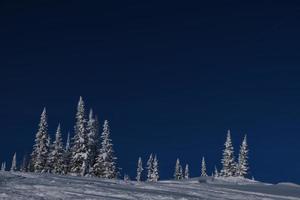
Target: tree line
(90, 153)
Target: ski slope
(25, 186)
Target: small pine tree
(139, 170)
(216, 173)
(14, 163)
(79, 148)
(24, 164)
(3, 166)
(150, 168)
(203, 167)
(155, 172)
(178, 170)
(186, 172)
(40, 149)
(106, 166)
(229, 166)
(56, 156)
(126, 178)
(243, 166)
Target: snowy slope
(32, 186)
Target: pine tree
(3, 166)
(67, 156)
(56, 156)
(243, 166)
(203, 167)
(126, 178)
(24, 164)
(155, 172)
(93, 138)
(139, 170)
(178, 170)
(105, 165)
(40, 149)
(79, 150)
(150, 168)
(186, 172)
(216, 173)
(14, 163)
(228, 158)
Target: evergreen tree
(79, 150)
(229, 166)
(139, 170)
(24, 164)
(155, 173)
(105, 165)
(126, 178)
(203, 167)
(14, 163)
(216, 173)
(178, 170)
(3, 166)
(186, 172)
(56, 156)
(67, 156)
(150, 168)
(242, 166)
(93, 138)
(40, 149)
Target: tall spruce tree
(40, 149)
(187, 172)
(155, 172)
(178, 170)
(139, 170)
(106, 166)
(93, 138)
(243, 166)
(79, 150)
(56, 156)
(203, 167)
(14, 163)
(150, 168)
(229, 165)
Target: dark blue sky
(171, 77)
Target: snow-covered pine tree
(106, 166)
(155, 172)
(203, 167)
(56, 155)
(79, 150)
(23, 167)
(216, 173)
(67, 156)
(126, 178)
(3, 166)
(139, 170)
(187, 172)
(150, 168)
(178, 170)
(40, 149)
(93, 138)
(14, 163)
(229, 165)
(243, 166)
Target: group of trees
(83, 155)
(90, 153)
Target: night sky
(171, 77)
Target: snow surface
(20, 186)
